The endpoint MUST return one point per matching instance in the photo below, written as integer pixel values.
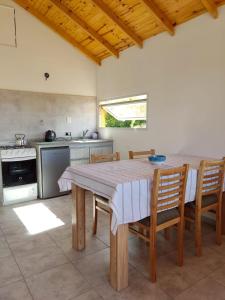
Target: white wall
(41, 50)
(184, 76)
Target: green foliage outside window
(110, 121)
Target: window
(130, 112)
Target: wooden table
(80, 178)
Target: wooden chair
(208, 197)
(167, 210)
(141, 154)
(101, 203)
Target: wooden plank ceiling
(101, 28)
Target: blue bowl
(157, 159)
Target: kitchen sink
(85, 140)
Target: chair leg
(167, 234)
(219, 225)
(152, 249)
(180, 243)
(95, 217)
(198, 234)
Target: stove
(19, 178)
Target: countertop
(61, 143)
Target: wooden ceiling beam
(159, 15)
(68, 12)
(113, 17)
(211, 7)
(57, 29)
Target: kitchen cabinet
(101, 149)
(81, 154)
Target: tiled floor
(44, 266)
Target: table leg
(223, 214)
(119, 258)
(78, 217)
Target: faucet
(84, 133)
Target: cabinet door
(107, 149)
(74, 163)
(79, 153)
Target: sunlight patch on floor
(37, 218)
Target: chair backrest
(141, 154)
(210, 179)
(168, 190)
(95, 158)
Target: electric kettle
(50, 136)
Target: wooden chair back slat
(141, 154)
(170, 192)
(210, 179)
(105, 157)
(169, 187)
(173, 185)
(168, 206)
(173, 198)
(175, 178)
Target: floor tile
(61, 233)
(16, 233)
(15, 291)
(32, 243)
(143, 289)
(61, 283)
(4, 248)
(40, 260)
(204, 289)
(90, 295)
(219, 275)
(93, 245)
(95, 267)
(9, 271)
(139, 288)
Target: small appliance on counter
(18, 178)
(50, 136)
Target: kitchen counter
(61, 143)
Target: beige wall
(184, 76)
(33, 113)
(40, 50)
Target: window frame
(121, 97)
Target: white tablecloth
(127, 184)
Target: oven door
(18, 172)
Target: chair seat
(162, 217)
(206, 201)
